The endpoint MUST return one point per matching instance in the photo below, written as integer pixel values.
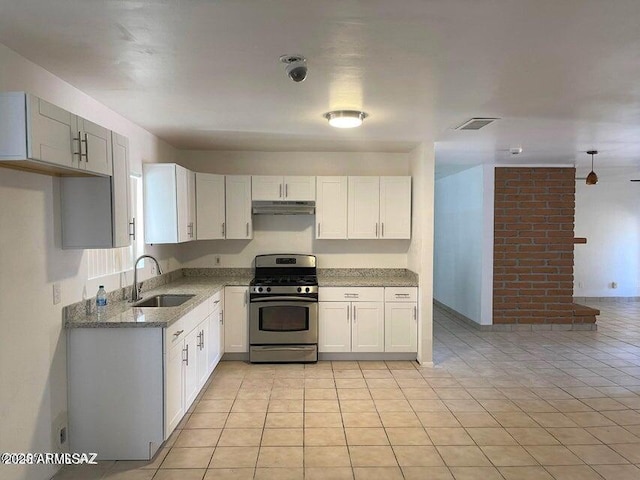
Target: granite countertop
(122, 314)
(203, 283)
(374, 277)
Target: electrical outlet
(218, 260)
(56, 293)
(62, 436)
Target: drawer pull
(402, 295)
(178, 333)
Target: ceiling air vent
(476, 123)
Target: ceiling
(204, 74)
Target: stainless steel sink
(165, 300)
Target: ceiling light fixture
(345, 118)
(592, 178)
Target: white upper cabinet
(94, 147)
(266, 187)
(299, 188)
(331, 208)
(238, 207)
(379, 207)
(169, 203)
(185, 198)
(95, 211)
(123, 223)
(292, 188)
(395, 207)
(364, 207)
(210, 206)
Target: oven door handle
(288, 299)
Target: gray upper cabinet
(95, 211)
(37, 135)
(95, 147)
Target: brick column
(533, 245)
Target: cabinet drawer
(215, 301)
(351, 294)
(400, 294)
(175, 333)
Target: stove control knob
(299, 289)
(259, 289)
(306, 289)
(268, 289)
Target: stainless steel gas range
(283, 310)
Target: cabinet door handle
(246, 297)
(186, 352)
(348, 314)
(382, 227)
(280, 192)
(221, 318)
(198, 344)
(415, 313)
(79, 152)
(202, 340)
(132, 230)
(286, 190)
(247, 229)
(215, 302)
(318, 229)
(354, 314)
(178, 333)
(223, 229)
(86, 148)
(376, 229)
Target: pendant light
(592, 178)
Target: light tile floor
(514, 406)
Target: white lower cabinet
(236, 319)
(401, 327)
(367, 327)
(134, 385)
(334, 326)
(351, 319)
(191, 343)
(367, 320)
(174, 386)
(215, 348)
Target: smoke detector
(476, 123)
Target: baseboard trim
(348, 356)
(606, 299)
(517, 327)
(358, 356)
(462, 318)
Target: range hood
(283, 208)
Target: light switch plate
(56, 293)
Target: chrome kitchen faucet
(135, 291)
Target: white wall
(420, 255)
(464, 242)
(608, 215)
(33, 400)
(295, 234)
